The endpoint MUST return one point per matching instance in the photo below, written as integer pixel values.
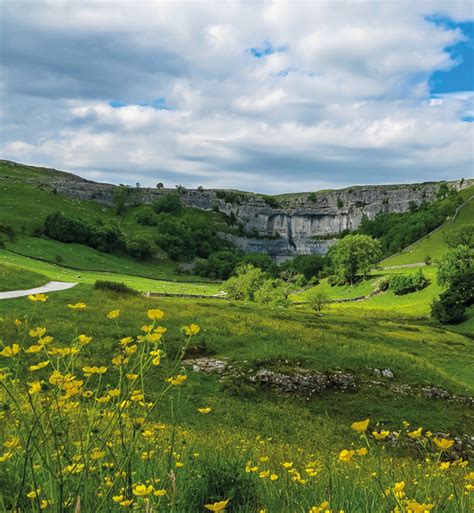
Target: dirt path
(52, 286)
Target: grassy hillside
(56, 272)
(13, 277)
(433, 245)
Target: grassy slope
(433, 245)
(345, 340)
(56, 272)
(13, 277)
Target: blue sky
(266, 96)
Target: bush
(115, 286)
(449, 308)
(272, 292)
(247, 280)
(219, 265)
(168, 203)
(308, 265)
(146, 217)
(401, 284)
(140, 248)
(107, 238)
(317, 300)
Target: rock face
(281, 226)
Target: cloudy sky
(271, 97)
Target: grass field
(56, 272)
(13, 278)
(433, 245)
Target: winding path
(52, 286)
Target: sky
(269, 97)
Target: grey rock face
(300, 224)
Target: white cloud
(344, 99)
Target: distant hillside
(282, 226)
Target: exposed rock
(207, 365)
(296, 224)
(385, 373)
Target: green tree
(119, 199)
(457, 262)
(460, 236)
(353, 257)
(317, 300)
(247, 280)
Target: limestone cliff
(283, 225)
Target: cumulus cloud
(272, 97)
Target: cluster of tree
(187, 238)
(108, 238)
(395, 231)
(456, 272)
(401, 284)
(250, 283)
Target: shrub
(115, 286)
(308, 265)
(272, 292)
(247, 280)
(317, 300)
(449, 308)
(168, 203)
(401, 284)
(140, 248)
(146, 217)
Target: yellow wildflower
(38, 332)
(6, 456)
(443, 444)
(113, 314)
(217, 506)
(12, 442)
(10, 351)
(84, 340)
(120, 360)
(346, 455)
(204, 410)
(380, 435)
(159, 493)
(38, 366)
(155, 314)
(89, 371)
(35, 387)
(177, 380)
(77, 306)
(34, 493)
(140, 490)
(38, 297)
(416, 507)
(192, 329)
(360, 426)
(362, 451)
(416, 434)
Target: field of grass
(14, 278)
(253, 430)
(433, 245)
(56, 272)
(84, 258)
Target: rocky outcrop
(281, 226)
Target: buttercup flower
(177, 380)
(443, 444)
(192, 329)
(113, 314)
(416, 434)
(38, 297)
(140, 490)
(77, 306)
(155, 314)
(360, 426)
(10, 351)
(217, 506)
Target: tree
(159, 185)
(272, 292)
(119, 199)
(460, 236)
(247, 280)
(451, 305)
(457, 262)
(354, 256)
(169, 203)
(317, 300)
